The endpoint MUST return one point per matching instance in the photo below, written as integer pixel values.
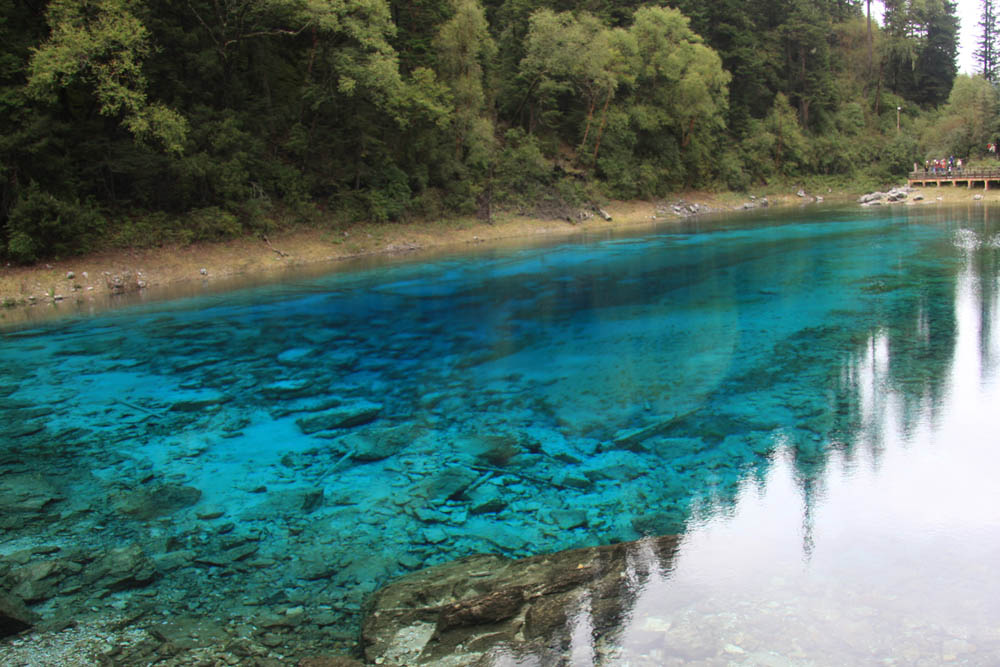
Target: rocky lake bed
(379, 468)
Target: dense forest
(131, 121)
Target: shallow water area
(807, 399)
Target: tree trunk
(878, 89)
(871, 41)
(600, 130)
(524, 100)
(778, 145)
(687, 135)
(590, 118)
(803, 102)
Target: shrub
(521, 170)
(212, 224)
(42, 225)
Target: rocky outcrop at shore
(890, 197)
(481, 609)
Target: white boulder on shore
(879, 198)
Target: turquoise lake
(809, 397)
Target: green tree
(670, 121)
(919, 51)
(968, 122)
(805, 38)
(936, 66)
(102, 45)
(987, 53)
(736, 30)
(776, 144)
(464, 48)
(568, 59)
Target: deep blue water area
(809, 397)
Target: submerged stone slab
(25, 499)
(121, 569)
(200, 404)
(351, 414)
(486, 609)
(376, 444)
(448, 484)
(295, 356)
(287, 389)
(39, 580)
(157, 500)
(634, 439)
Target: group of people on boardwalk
(943, 166)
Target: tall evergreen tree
(936, 67)
(804, 36)
(735, 29)
(986, 51)
(919, 49)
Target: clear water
(812, 401)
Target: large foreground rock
(486, 610)
(99, 573)
(14, 616)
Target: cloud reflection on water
(886, 551)
(883, 548)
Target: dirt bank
(91, 278)
(88, 280)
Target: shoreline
(91, 283)
(96, 282)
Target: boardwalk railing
(956, 176)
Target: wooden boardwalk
(969, 177)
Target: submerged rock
(568, 519)
(101, 572)
(121, 569)
(284, 390)
(158, 500)
(448, 484)
(658, 523)
(376, 444)
(634, 439)
(227, 557)
(14, 616)
(295, 356)
(39, 580)
(26, 499)
(343, 416)
(293, 502)
(484, 609)
(200, 405)
(487, 499)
